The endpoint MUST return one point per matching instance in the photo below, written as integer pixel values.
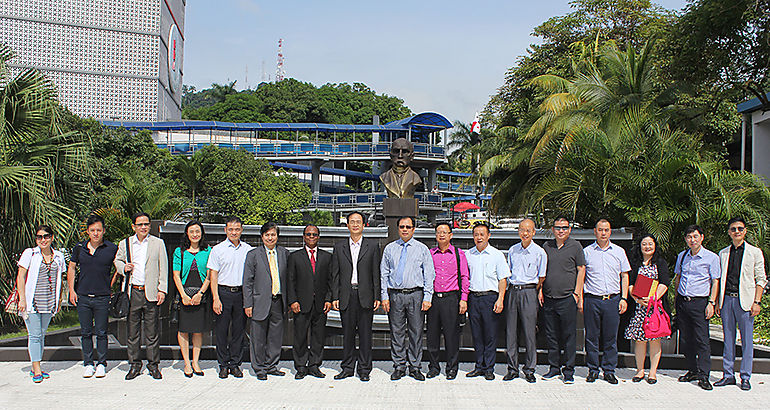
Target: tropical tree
(42, 168)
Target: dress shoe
(725, 381)
(301, 373)
(198, 373)
(637, 379)
(687, 377)
(397, 374)
(651, 380)
(745, 385)
(432, 373)
(276, 372)
(188, 375)
(154, 372)
(451, 375)
(610, 378)
(315, 372)
(342, 375)
(236, 372)
(416, 374)
(510, 375)
(133, 372)
(261, 376)
(592, 376)
(551, 374)
(489, 375)
(704, 384)
(529, 377)
(569, 379)
(364, 377)
(223, 372)
(475, 373)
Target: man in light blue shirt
(488, 274)
(605, 296)
(406, 277)
(698, 271)
(528, 263)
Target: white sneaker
(101, 370)
(89, 371)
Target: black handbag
(119, 301)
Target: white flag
(476, 125)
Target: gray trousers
(266, 337)
(733, 315)
(521, 313)
(143, 315)
(406, 319)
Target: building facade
(109, 59)
(755, 138)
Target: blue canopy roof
(326, 170)
(427, 122)
(750, 105)
(453, 173)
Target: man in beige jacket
(146, 266)
(740, 293)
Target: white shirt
(315, 252)
(355, 249)
(139, 259)
(228, 260)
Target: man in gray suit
(146, 263)
(264, 301)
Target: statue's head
(401, 153)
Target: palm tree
(42, 168)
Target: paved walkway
(67, 389)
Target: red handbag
(657, 324)
(12, 304)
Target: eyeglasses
(405, 227)
(311, 234)
(737, 229)
(41, 237)
(355, 223)
(143, 224)
(561, 228)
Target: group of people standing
(254, 288)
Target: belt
(691, 298)
(520, 287)
(602, 297)
(445, 294)
(233, 289)
(137, 287)
(732, 294)
(407, 290)
(484, 293)
(278, 296)
(354, 287)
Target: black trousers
(521, 313)
(443, 318)
(560, 326)
(143, 315)
(357, 321)
(484, 323)
(229, 329)
(694, 333)
(601, 318)
(266, 338)
(313, 325)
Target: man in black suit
(265, 283)
(356, 294)
(310, 299)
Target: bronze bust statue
(400, 180)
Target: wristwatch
(757, 303)
(625, 299)
(712, 302)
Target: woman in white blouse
(39, 284)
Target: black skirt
(197, 318)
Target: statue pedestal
(395, 208)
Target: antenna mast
(279, 71)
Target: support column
(315, 176)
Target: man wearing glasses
(742, 282)
(407, 276)
(356, 294)
(143, 258)
(310, 299)
(561, 297)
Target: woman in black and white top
(39, 286)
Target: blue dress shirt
(527, 264)
(487, 268)
(696, 272)
(418, 271)
(603, 268)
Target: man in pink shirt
(450, 300)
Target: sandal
(651, 380)
(637, 379)
(37, 378)
(44, 374)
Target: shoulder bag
(119, 302)
(657, 324)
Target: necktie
(398, 275)
(276, 288)
(312, 259)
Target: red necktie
(312, 259)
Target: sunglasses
(561, 228)
(737, 229)
(41, 237)
(311, 234)
(405, 227)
